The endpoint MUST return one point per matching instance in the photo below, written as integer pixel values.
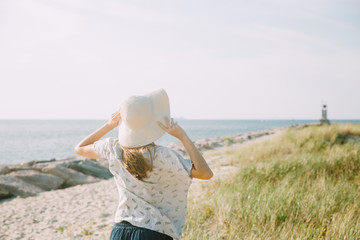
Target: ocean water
(25, 140)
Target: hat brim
(151, 131)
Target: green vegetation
(86, 232)
(61, 229)
(304, 184)
(228, 141)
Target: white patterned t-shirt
(158, 202)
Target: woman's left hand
(114, 119)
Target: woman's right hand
(200, 168)
(114, 120)
(172, 128)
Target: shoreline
(202, 143)
(33, 177)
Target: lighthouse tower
(324, 119)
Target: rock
(17, 168)
(25, 164)
(38, 165)
(203, 144)
(44, 161)
(207, 144)
(258, 135)
(239, 139)
(17, 187)
(21, 166)
(176, 145)
(70, 176)
(90, 167)
(4, 169)
(215, 144)
(44, 181)
(4, 193)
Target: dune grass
(304, 184)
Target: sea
(26, 140)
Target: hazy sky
(275, 59)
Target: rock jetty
(208, 144)
(30, 178)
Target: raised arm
(85, 147)
(200, 168)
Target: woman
(152, 181)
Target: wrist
(109, 126)
(183, 137)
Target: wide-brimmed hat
(139, 116)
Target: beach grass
(302, 184)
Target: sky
(242, 59)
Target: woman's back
(157, 202)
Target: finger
(162, 126)
(167, 122)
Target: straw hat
(139, 117)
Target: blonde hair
(135, 162)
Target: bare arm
(85, 147)
(200, 168)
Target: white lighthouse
(324, 119)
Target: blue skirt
(126, 231)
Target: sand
(87, 211)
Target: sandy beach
(87, 211)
